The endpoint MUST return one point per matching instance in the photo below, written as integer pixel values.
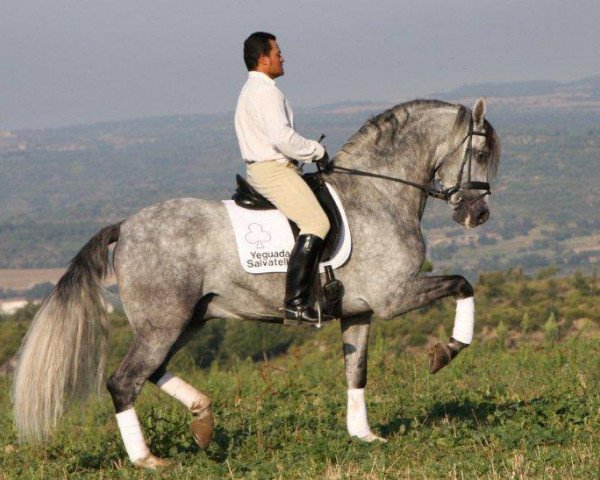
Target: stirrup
(297, 318)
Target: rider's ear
(264, 60)
(479, 112)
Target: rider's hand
(324, 162)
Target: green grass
(529, 412)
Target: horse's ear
(479, 112)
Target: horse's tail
(63, 355)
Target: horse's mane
(382, 130)
(493, 143)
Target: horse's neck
(377, 197)
(421, 142)
(405, 202)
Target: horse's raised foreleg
(355, 335)
(422, 291)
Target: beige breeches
(282, 185)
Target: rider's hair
(255, 46)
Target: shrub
(552, 290)
(253, 340)
(526, 323)
(551, 329)
(581, 283)
(547, 272)
(502, 333)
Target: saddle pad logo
(265, 240)
(257, 236)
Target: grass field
(527, 412)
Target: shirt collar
(261, 76)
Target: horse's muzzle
(471, 214)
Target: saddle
(246, 196)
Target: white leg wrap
(182, 391)
(133, 438)
(356, 419)
(464, 321)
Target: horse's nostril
(483, 216)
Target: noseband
(441, 193)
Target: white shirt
(264, 124)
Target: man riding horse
(271, 148)
(172, 282)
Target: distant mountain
(503, 89)
(538, 95)
(345, 108)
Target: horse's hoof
(371, 437)
(152, 462)
(439, 356)
(202, 426)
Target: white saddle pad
(264, 238)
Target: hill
(584, 93)
(58, 186)
(561, 105)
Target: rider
(271, 148)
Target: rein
(442, 194)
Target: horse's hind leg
(148, 350)
(199, 404)
(355, 335)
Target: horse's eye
(481, 155)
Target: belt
(250, 162)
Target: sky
(79, 61)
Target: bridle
(431, 190)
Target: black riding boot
(302, 268)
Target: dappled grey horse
(177, 267)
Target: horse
(176, 267)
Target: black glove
(324, 163)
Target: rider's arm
(270, 109)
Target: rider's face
(272, 64)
